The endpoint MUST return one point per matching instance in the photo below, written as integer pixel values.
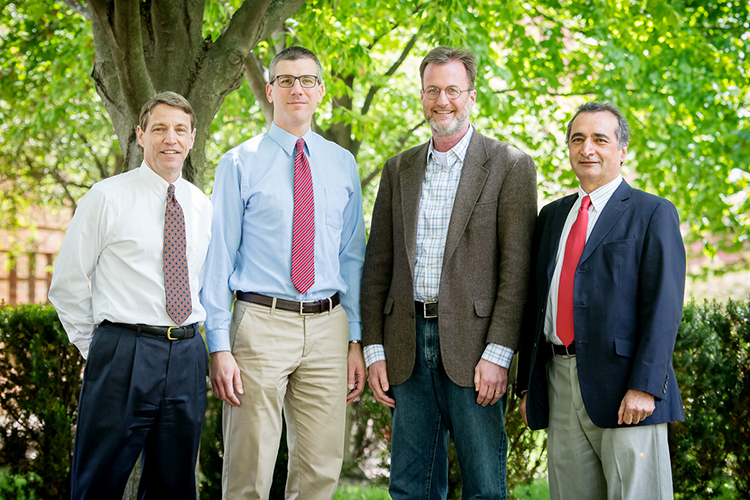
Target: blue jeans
(429, 408)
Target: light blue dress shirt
(251, 244)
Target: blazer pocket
(388, 305)
(484, 307)
(624, 348)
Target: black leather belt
(426, 309)
(161, 332)
(305, 308)
(561, 350)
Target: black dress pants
(140, 394)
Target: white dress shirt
(599, 198)
(116, 239)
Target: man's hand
(490, 382)
(635, 406)
(522, 409)
(379, 383)
(355, 362)
(225, 377)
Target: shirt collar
(288, 142)
(457, 152)
(156, 182)
(601, 195)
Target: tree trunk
(151, 46)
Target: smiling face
(294, 107)
(447, 118)
(594, 153)
(166, 141)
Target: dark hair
(170, 99)
(444, 55)
(292, 54)
(622, 132)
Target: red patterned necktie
(176, 280)
(303, 227)
(573, 250)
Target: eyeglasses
(287, 81)
(452, 92)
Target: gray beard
(446, 130)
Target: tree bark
(155, 45)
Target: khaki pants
(298, 363)
(587, 462)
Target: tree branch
(122, 28)
(254, 76)
(99, 165)
(375, 88)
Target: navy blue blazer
(629, 291)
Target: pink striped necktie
(176, 279)
(573, 250)
(303, 227)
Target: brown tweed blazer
(485, 266)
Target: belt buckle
(302, 308)
(424, 310)
(169, 333)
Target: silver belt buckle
(302, 308)
(424, 311)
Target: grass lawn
(538, 490)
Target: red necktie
(303, 227)
(176, 280)
(573, 250)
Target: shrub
(712, 365)
(40, 380)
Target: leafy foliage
(39, 387)
(712, 365)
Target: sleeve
(70, 291)
(226, 234)
(498, 354)
(661, 293)
(352, 253)
(516, 216)
(376, 276)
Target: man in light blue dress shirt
(279, 347)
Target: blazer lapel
(473, 177)
(411, 178)
(616, 206)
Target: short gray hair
(622, 132)
(444, 55)
(170, 99)
(292, 54)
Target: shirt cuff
(218, 340)
(355, 331)
(373, 353)
(498, 354)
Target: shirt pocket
(336, 200)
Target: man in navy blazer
(596, 363)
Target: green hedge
(40, 379)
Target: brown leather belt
(427, 309)
(161, 332)
(305, 308)
(561, 350)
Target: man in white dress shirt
(141, 239)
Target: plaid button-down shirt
(435, 209)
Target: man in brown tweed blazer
(444, 287)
